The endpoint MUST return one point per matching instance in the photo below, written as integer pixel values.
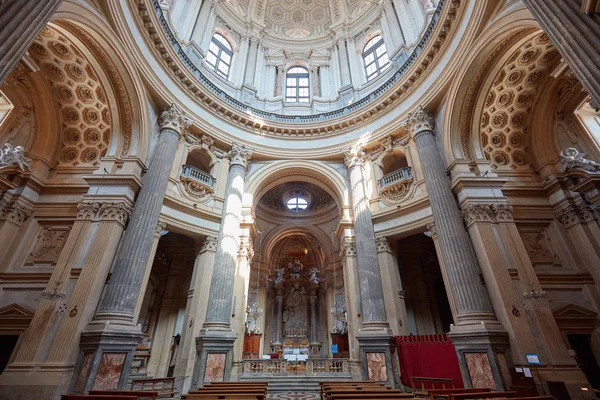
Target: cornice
(173, 56)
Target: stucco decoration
(572, 158)
(298, 19)
(84, 112)
(505, 118)
(14, 156)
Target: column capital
(174, 119)
(355, 157)
(239, 155)
(210, 244)
(160, 226)
(568, 216)
(348, 249)
(419, 121)
(15, 212)
(246, 250)
(503, 213)
(473, 213)
(432, 230)
(87, 211)
(116, 212)
(383, 245)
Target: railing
(400, 175)
(198, 175)
(404, 64)
(312, 366)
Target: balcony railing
(398, 176)
(312, 366)
(198, 175)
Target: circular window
(297, 203)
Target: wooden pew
(254, 393)
(95, 397)
(222, 397)
(328, 386)
(422, 385)
(481, 395)
(391, 394)
(326, 391)
(443, 393)
(164, 386)
(137, 394)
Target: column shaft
(20, 22)
(121, 296)
(251, 64)
(344, 65)
(371, 290)
(278, 319)
(575, 34)
(395, 308)
(314, 336)
(470, 295)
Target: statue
(571, 158)
(14, 156)
(295, 268)
(313, 275)
(280, 273)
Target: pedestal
(379, 359)
(214, 358)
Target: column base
(105, 358)
(379, 357)
(214, 357)
(483, 353)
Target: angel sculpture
(572, 158)
(295, 267)
(14, 156)
(280, 272)
(313, 275)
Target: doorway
(581, 343)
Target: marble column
(351, 292)
(576, 36)
(371, 290)
(314, 329)
(195, 311)
(114, 325)
(344, 65)
(394, 26)
(476, 332)
(215, 342)
(395, 308)
(278, 318)
(20, 22)
(376, 342)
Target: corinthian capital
(210, 244)
(383, 245)
(118, 212)
(420, 120)
(473, 213)
(239, 155)
(174, 119)
(355, 157)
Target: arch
(275, 236)
(460, 135)
(120, 76)
(319, 173)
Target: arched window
(5, 108)
(219, 55)
(375, 57)
(297, 90)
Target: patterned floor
(294, 396)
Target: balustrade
(400, 175)
(312, 366)
(190, 172)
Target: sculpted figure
(14, 156)
(279, 278)
(313, 275)
(572, 158)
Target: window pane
(214, 48)
(383, 60)
(223, 68)
(303, 92)
(297, 70)
(211, 59)
(291, 92)
(380, 50)
(371, 42)
(369, 59)
(291, 82)
(303, 81)
(225, 57)
(371, 68)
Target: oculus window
(219, 55)
(297, 203)
(297, 88)
(375, 57)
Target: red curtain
(429, 356)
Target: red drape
(430, 356)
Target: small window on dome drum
(297, 85)
(219, 55)
(375, 57)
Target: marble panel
(109, 371)
(504, 370)
(215, 367)
(480, 370)
(377, 367)
(85, 370)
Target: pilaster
(395, 308)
